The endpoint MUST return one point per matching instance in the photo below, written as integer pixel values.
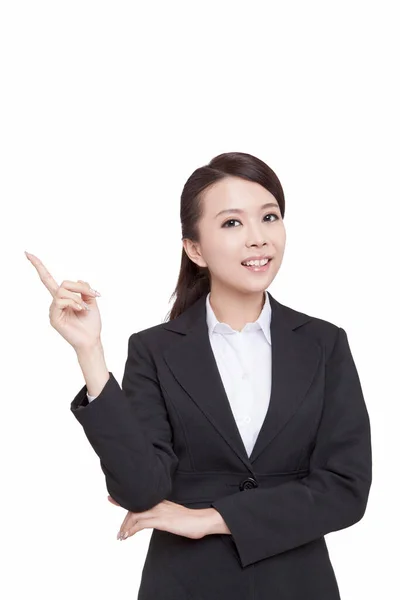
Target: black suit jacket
(170, 434)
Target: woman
(240, 434)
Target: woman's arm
(129, 429)
(94, 368)
(264, 522)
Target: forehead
(234, 192)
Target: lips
(250, 259)
(256, 258)
(256, 269)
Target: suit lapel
(294, 361)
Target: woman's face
(229, 238)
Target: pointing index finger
(44, 274)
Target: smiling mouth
(256, 268)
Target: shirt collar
(263, 322)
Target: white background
(106, 109)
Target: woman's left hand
(167, 516)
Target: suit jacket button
(248, 483)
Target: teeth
(257, 263)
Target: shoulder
(320, 330)
(154, 339)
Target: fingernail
(95, 292)
(125, 535)
(86, 305)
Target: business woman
(240, 434)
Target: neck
(235, 308)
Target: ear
(193, 252)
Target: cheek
(222, 266)
(281, 237)
(220, 252)
(277, 239)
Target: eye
(233, 220)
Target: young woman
(240, 434)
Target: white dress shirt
(244, 363)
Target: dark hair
(194, 281)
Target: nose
(258, 242)
(256, 234)
(256, 238)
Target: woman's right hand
(79, 326)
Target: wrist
(93, 365)
(214, 522)
(93, 350)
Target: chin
(256, 289)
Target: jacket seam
(166, 395)
(334, 345)
(188, 450)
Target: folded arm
(264, 522)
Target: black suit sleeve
(129, 430)
(334, 495)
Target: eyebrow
(240, 211)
